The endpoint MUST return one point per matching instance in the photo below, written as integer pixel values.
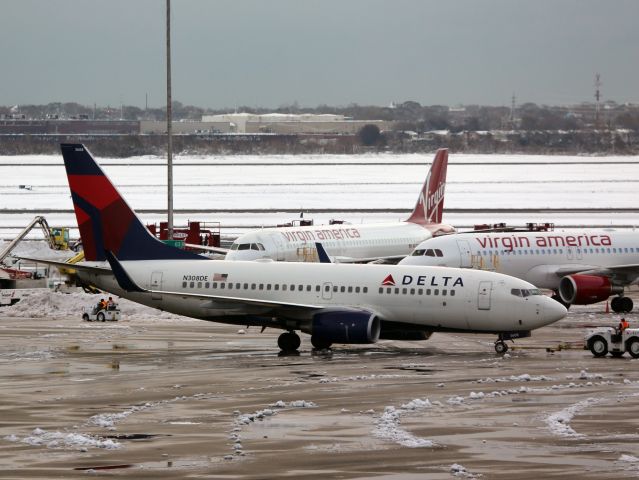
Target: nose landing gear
(500, 346)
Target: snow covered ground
(342, 183)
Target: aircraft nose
(553, 311)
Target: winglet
(321, 253)
(430, 203)
(122, 277)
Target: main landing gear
(289, 342)
(621, 304)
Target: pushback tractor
(604, 340)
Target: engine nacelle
(346, 326)
(586, 289)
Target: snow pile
(559, 422)
(294, 404)
(524, 377)
(458, 470)
(47, 303)
(628, 459)
(57, 439)
(356, 378)
(387, 426)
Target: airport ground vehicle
(95, 314)
(603, 340)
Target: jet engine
(586, 289)
(345, 326)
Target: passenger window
(276, 286)
(342, 289)
(222, 285)
(207, 285)
(436, 291)
(199, 284)
(268, 286)
(183, 284)
(308, 288)
(292, 288)
(452, 293)
(412, 291)
(284, 287)
(381, 290)
(300, 288)
(404, 291)
(261, 286)
(365, 290)
(389, 290)
(192, 284)
(214, 285)
(397, 291)
(350, 289)
(246, 286)
(444, 292)
(356, 289)
(317, 288)
(428, 291)
(253, 286)
(420, 291)
(335, 289)
(230, 286)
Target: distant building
(283, 123)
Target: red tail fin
(430, 203)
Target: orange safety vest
(624, 325)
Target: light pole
(169, 124)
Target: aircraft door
(279, 247)
(464, 253)
(327, 291)
(156, 284)
(483, 295)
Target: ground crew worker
(102, 304)
(623, 324)
(111, 304)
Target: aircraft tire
(500, 347)
(598, 346)
(289, 342)
(626, 304)
(632, 346)
(320, 343)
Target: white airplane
(346, 243)
(333, 303)
(581, 267)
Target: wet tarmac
(191, 399)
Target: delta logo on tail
(430, 204)
(389, 281)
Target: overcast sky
(270, 53)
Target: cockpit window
(516, 292)
(430, 252)
(244, 246)
(418, 252)
(438, 253)
(234, 246)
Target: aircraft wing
(619, 274)
(393, 259)
(70, 266)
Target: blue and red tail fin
(430, 203)
(105, 220)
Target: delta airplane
(382, 242)
(581, 267)
(347, 303)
